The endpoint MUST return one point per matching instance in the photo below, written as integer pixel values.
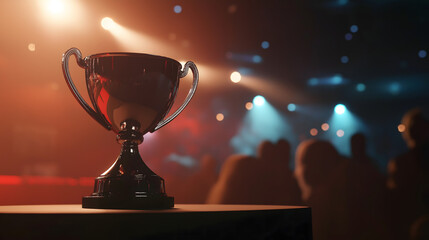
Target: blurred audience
(366, 192)
(320, 172)
(408, 175)
(265, 179)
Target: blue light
(313, 81)
(360, 87)
(257, 59)
(265, 44)
(340, 109)
(291, 107)
(348, 36)
(394, 88)
(336, 80)
(343, 2)
(258, 100)
(422, 53)
(354, 28)
(177, 9)
(344, 59)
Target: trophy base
(102, 202)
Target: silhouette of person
(408, 175)
(265, 179)
(321, 175)
(365, 192)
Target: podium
(185, 221)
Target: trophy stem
(129, 183)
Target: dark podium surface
(185, 221)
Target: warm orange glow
(249, 105)
(235, 77)
(32, 47)
(43, 180)
(313, 132)
(10, 180)
(401, 128)
(220, 117)
(325, 127)
(340, 133)
(55, 6)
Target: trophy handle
(81, 62)
(188, 98)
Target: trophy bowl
(131, 94)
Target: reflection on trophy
(131, 94)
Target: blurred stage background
(295, 61)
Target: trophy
(131, 94)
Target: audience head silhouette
(266, 150)
(315, 160)
(416, 128)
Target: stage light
(220, 117)
(257, 59)
(422, 53)
(32, 47)
(313, 81)
(401, 128)
(313, 132)
(259, 100)
(340, 133)
(177, 9)
(360, 87)
(342, 2)
(394, 88)
(344, 59)
(235, 77)
(55, 6)
(340, 109)
(291, 107)
(348, 36)
(265, 44)
(107, 23)
(336, 79)
(249, 105)
(354, 28)
(325, 127)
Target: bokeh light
(394, 88)
(257, 59)
(340, 133)
(422, 53)
(258, 100)
(291, 107)
(313, 81)
(360, 87)
(340, 109)
(325, 127)
(235, 77)
(32, 47)
(348, 36)
(401, 128)
(249, 105)
(220, 117)
(177, 9)
(354, 28)
(344, 59)
(313, 132)
(265, 44)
